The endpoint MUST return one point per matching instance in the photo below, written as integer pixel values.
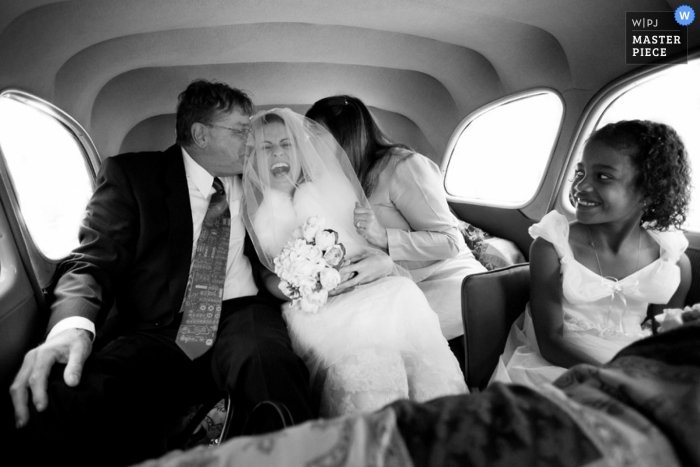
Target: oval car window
(48, 170)
(499, 155)
(649, 100)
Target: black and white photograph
(415, 233)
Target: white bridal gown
(370, 346)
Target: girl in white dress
(596, 279)
(377, 338)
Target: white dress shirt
(239, 276)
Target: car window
(671, 96)
(498, 155)
(48, 171)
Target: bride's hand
(347, 275)
(366, 267)
(367, 225)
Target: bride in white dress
(376, 339)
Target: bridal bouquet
(308, 264)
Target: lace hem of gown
(372, 378)
(376, 344)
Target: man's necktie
(202, 306)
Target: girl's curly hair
(662, 163)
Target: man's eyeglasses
(242, 134)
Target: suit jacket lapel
(180, 228)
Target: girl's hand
(364, 268)
(369, 227)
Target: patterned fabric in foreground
(505, 425)
(640, 409)
(368, 440)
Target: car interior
(500, 95)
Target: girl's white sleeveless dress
(601, 316)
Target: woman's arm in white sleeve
(416, 191)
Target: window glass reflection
(501, 155)
(48, 171)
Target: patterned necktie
(202, 306)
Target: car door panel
(21, 321)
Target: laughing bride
(376, 339)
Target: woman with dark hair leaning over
(410, 218)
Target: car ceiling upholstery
(422, 65)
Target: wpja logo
(655, 36)
(684, 15)
(645, 23)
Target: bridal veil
(312, 157)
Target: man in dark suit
(137, 246)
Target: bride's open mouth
(280, 169)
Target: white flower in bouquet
(304, 267)
(314, 255)
(326, 239)
(335, 254)
(312, 227)
(307, 287)
(307, 265)
(288, 290)
(313, 301)
(330, 278)
(290, 253)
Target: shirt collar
(202, 179)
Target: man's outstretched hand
(72, 347)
